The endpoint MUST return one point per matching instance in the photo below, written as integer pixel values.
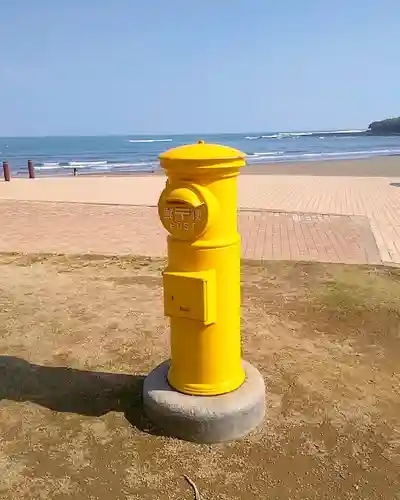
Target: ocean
(119, 154)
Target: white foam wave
(59, 167)
(340, 155)
(284, 135)
(294, 134)
(66, 165)
(48, 167)
(86, 163)
(149, 140)
(280, 135)
(267, 153)
(99, 166)
(370, 152)
(129, 165)
(356, 131)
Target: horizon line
(174, 133)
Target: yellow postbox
(198, 208)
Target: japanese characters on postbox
(183, 211)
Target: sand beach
(327, 211)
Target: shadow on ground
(395, 184)
(69, 390)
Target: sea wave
(266, 153)
(68, 164)
(320, 134)
(281, 135)
(86, 163)
(47, 167)
(351, 131)
(338, 155)
(150, 140)
(97, 165)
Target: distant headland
(385, 127)
(389, 126)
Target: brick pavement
(374, 200)
(122, 229)
(377, 198)
(268, 235)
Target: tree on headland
(388, 126)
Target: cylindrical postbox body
(31, 169)
(6, 171)
(198, 207)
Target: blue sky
(87, 67)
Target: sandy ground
(372, 167)
(254, 188)
(376, 197)
(272, 191)
(78, 334)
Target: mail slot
(184, 211)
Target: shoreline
(378, 166)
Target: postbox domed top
(202, 152)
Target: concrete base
(204, 419)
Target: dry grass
(78, 334)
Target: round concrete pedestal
(204, 419)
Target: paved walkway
(333, 219)
(119, 229)
(378, 199)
